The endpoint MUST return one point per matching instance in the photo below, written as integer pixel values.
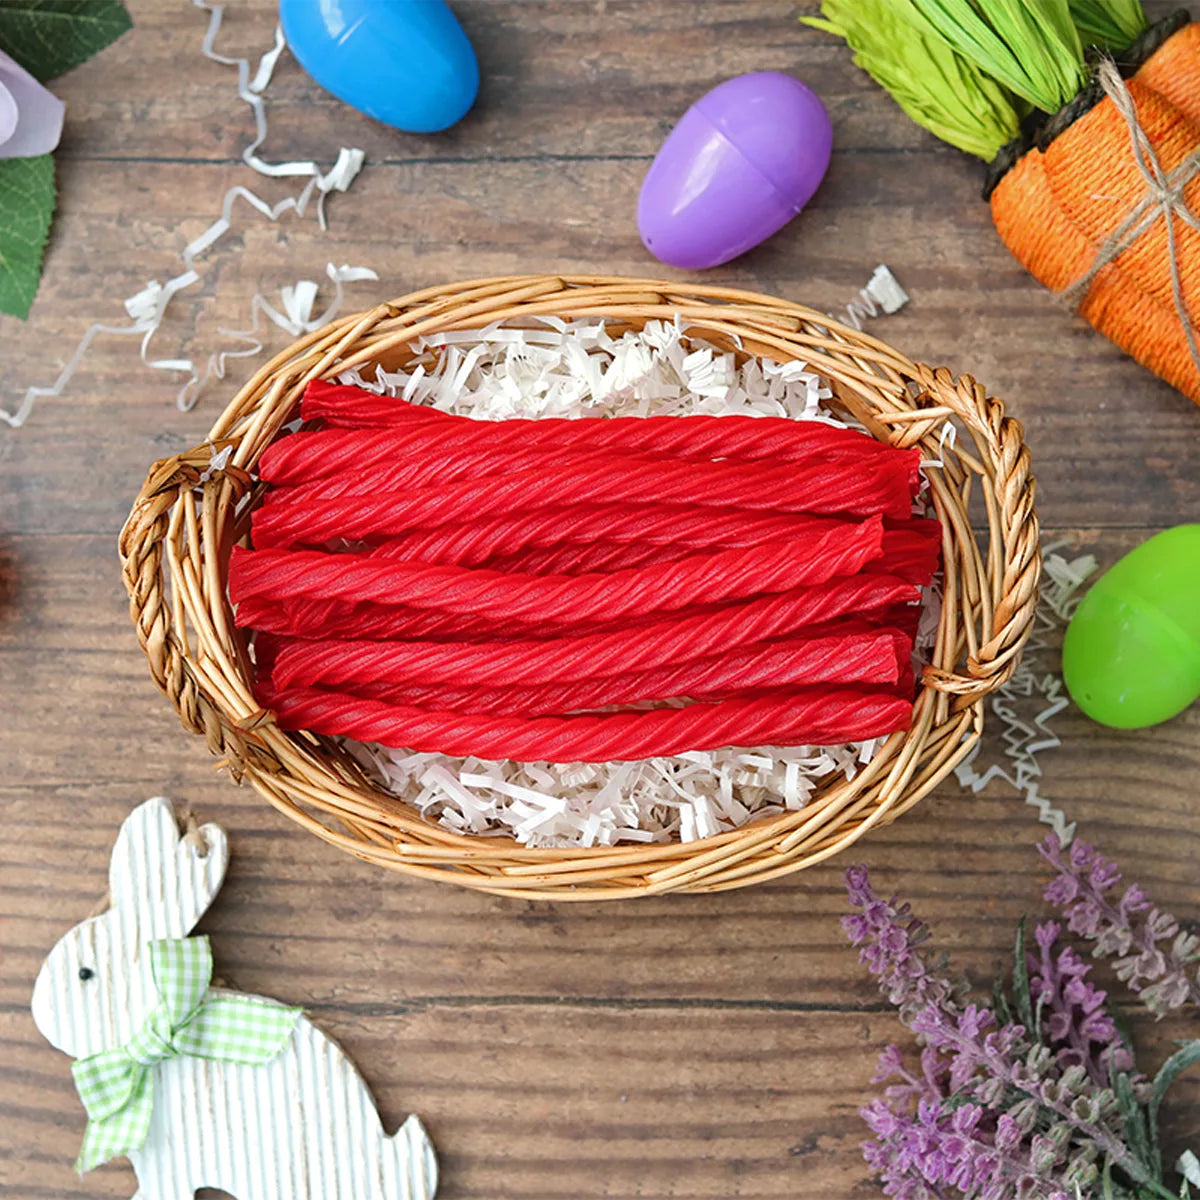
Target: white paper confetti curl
(296, 318)
(882, 296)
(148, 307)
(1027, 734)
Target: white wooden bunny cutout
(200, 1086)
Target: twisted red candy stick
(440, 465)
(698, 437)
(325, 401)
(304, 457)
(336, 620)
(314, 619)
(815, 717)
(908, 554)
(910, 550)
(672, 639)
(879, 657)
(724, 575)
(306, 618)
(814, 487)
(472, 543)
(904, 687)
(575, 559)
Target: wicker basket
(175, 550)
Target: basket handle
(172, 481)
(1013, 582)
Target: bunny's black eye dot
(86, 973)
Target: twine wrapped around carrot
(1091, 121)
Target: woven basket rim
(175, 554)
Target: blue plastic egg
(406, 63)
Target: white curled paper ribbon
(1034, 696)
(148, 307)
(296, 318)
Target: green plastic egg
(1132, 652)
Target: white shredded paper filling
(1033, 697)
(578, 369)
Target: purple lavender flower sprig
(919, 1155)
(1053, 1109)
(891, 943)
(1152, 954)
(1073, 1019)
(1000, 1068)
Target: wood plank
(294, 908)
(581, 79)
(683, 1046)
(575, 79)
(550, 1103)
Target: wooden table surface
(676, 1047)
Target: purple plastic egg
(742, 162)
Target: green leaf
(1187, 1056)
(1109, 24)
(1000, 1005)
(26, 207)
(1020, 981)
(1138, 1137)
(49, 37)
(1030, 47)
(936, 86)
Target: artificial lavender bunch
(1045, 1117)
(1151, 953)
(1070, 1121)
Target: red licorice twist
(909, 551)
(908, 554)
(673, 639)
(819, 717)
(317, 619)
(724, 575)
(801, 487)
(735, 437)
(323, 400)
(472, 543)
(439, 466)
(574, 559)
(875, 658)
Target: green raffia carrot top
(970, 70)
(1090, 120)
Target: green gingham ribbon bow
(117, 1086)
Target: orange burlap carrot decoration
(1104, 214)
